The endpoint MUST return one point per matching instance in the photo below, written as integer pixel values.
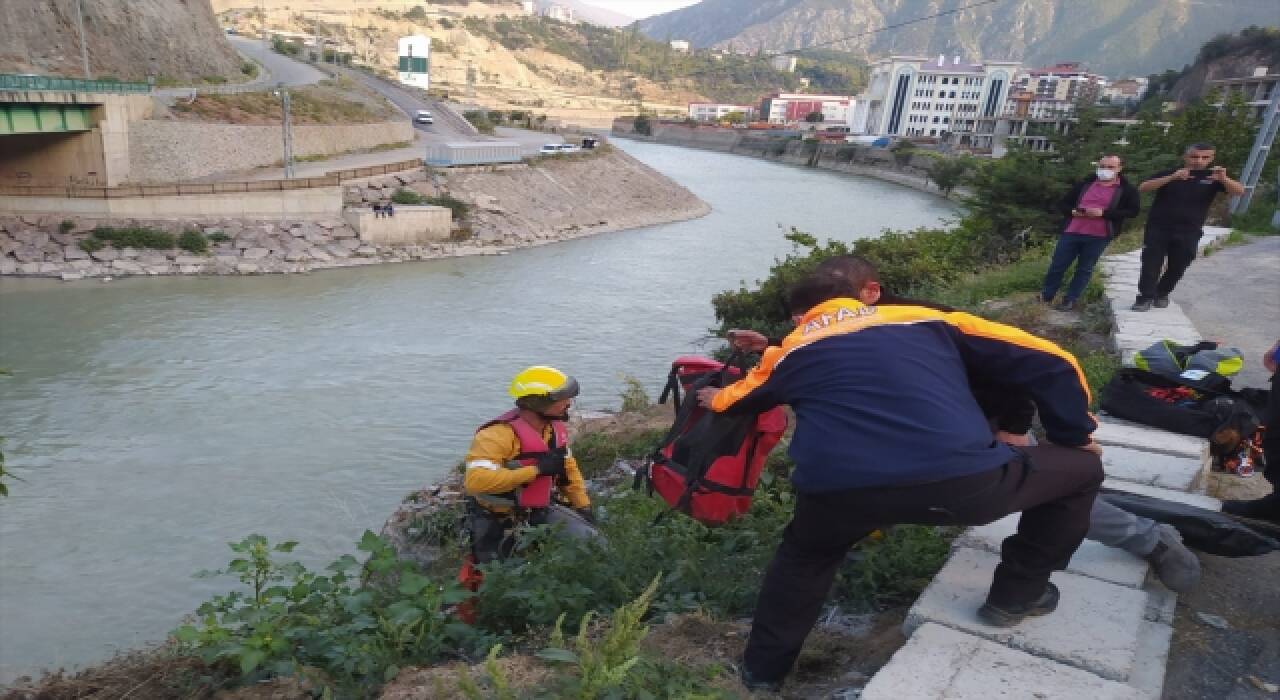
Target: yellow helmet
(539, 381)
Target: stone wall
(176, 151)
(45, 247)
(854, 159)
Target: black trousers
(1054, 487)
(1166, 254)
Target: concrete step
(1194, 499)
(1095, 628)
(1122, 433)
(939, 662)
(1093, 559)
(1152, 468)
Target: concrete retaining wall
(315, 203)
(411, 225)
(862, 160)
(174, 151)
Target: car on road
(423, 116)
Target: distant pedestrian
(1095, 210)
(389, 210)
(1183, 197)
(377, 210)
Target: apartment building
(714, 111)
(790, 108)
(921, 97)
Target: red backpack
(708, 465)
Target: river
(152, 420)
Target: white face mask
(1106, 174)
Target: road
(1233, 296)
(282, 68)
(449, 126)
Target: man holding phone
(1183, 197)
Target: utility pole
(84, 48)
(1258, 154)
(287, 133)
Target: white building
(562, 13)
(792, 108)
(920, 97)
(526, 6)
(414, 54)
(1125, 90)
(714, 112)
(680, 45)
(784, 63)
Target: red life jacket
(536, 493)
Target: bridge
(63, 131)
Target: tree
(814, 117)
(734, 118)
(948, 173)
(1015, 198)
(642, 125)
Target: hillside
(1224, 56)
(1115, 37)
(591, 13)
(126, 40)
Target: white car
(422, 116)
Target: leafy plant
(601, 666)
(287, 618)
(456, 206)
(218, 237)
(193, 241)
(135, 237)
(406, 196)
(634, 397)
(66, 226)
(91, 244)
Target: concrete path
(1233, 296)
(1110, 636)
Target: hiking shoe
(1161, 302)
(1175, 565)
(1141, 305)
(1010, 615)
(1266, 508)
(752, 683)
(1065, 305)
(1043, 299)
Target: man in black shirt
(1173, 229)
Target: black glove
(586, 514)
(551, 464)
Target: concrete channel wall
(313, 203)
(848, 158)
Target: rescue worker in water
(515, 462)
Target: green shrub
(218, 237)
(249, 68)
(458, 207)
(642, 125)
(480, 120)
(406, 196)
(193, 241)
(135, 237)
(596, 452)
(634, 397)
(91, 244)
(286, 619)
(66, 226)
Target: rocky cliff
(1116, 37)
(177, 39)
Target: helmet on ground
(539, 384)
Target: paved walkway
(1110, 635)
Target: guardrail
(330, 179)
(12, 82)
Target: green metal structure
(28, 118)
(12, 82)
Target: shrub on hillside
(405, 196)
(135, 237)
(193, 241)
(458, 207)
